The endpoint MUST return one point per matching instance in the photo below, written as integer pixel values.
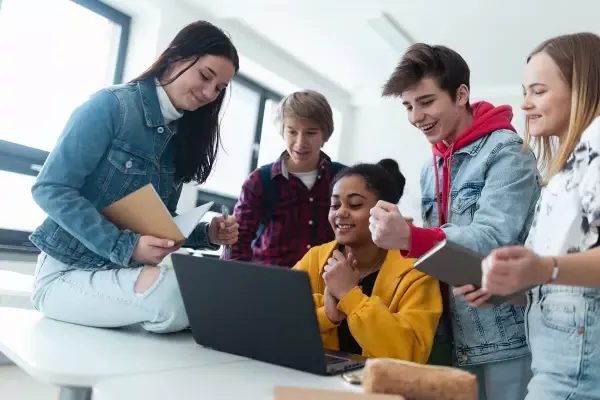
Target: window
(245, 110)
(271, 142)
(48, 71)
(238, 126)
(49, 66)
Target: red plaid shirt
(299, 219)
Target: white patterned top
(567, 217)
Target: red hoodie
(486, 120)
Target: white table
(15, 284)
(76, 357)
(248, 380)
(15, 289)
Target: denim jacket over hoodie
(112, 145)
(481, 193)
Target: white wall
(511, 95)
(381, 130)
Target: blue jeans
(563, 327)
(107, 298)
(503, 380)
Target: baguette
(418, 381)
(298, 393)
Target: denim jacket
(113, 144)
(494, 189)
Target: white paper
(189, 220)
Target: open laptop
(257, 311)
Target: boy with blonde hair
(283, 207)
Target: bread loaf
(417, 381)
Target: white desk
(15, 284)
(15, 289)
(248, 380)
(76, 357)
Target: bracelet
(554, 270)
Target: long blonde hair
(578, 59)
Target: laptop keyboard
(329, 359)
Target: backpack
(271, 194)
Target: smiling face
(547, 97)
(200, 84)
(432, 110)
(351, 202)
(303, 141)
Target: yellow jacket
(400, 318)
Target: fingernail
(170, 243)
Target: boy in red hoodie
(480, 191)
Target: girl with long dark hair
(161, 128)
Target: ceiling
(335, 38)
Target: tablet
(455, 265)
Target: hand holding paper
(151, 250)
(144, 212)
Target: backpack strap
(336, 167)
(269, 198)
(271, 194)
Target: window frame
(265, 94)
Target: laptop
(257, 311)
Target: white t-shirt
(308, 178)
(567, 217)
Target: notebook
(144, 212)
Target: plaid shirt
(299, 219)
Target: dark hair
(421, 61)
(383, 178)
(198, 135)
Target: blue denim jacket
(113, 144)
(494, 190)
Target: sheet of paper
(189, 220)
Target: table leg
(75, 393)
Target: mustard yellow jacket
(400, 318)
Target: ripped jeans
(107, 298)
